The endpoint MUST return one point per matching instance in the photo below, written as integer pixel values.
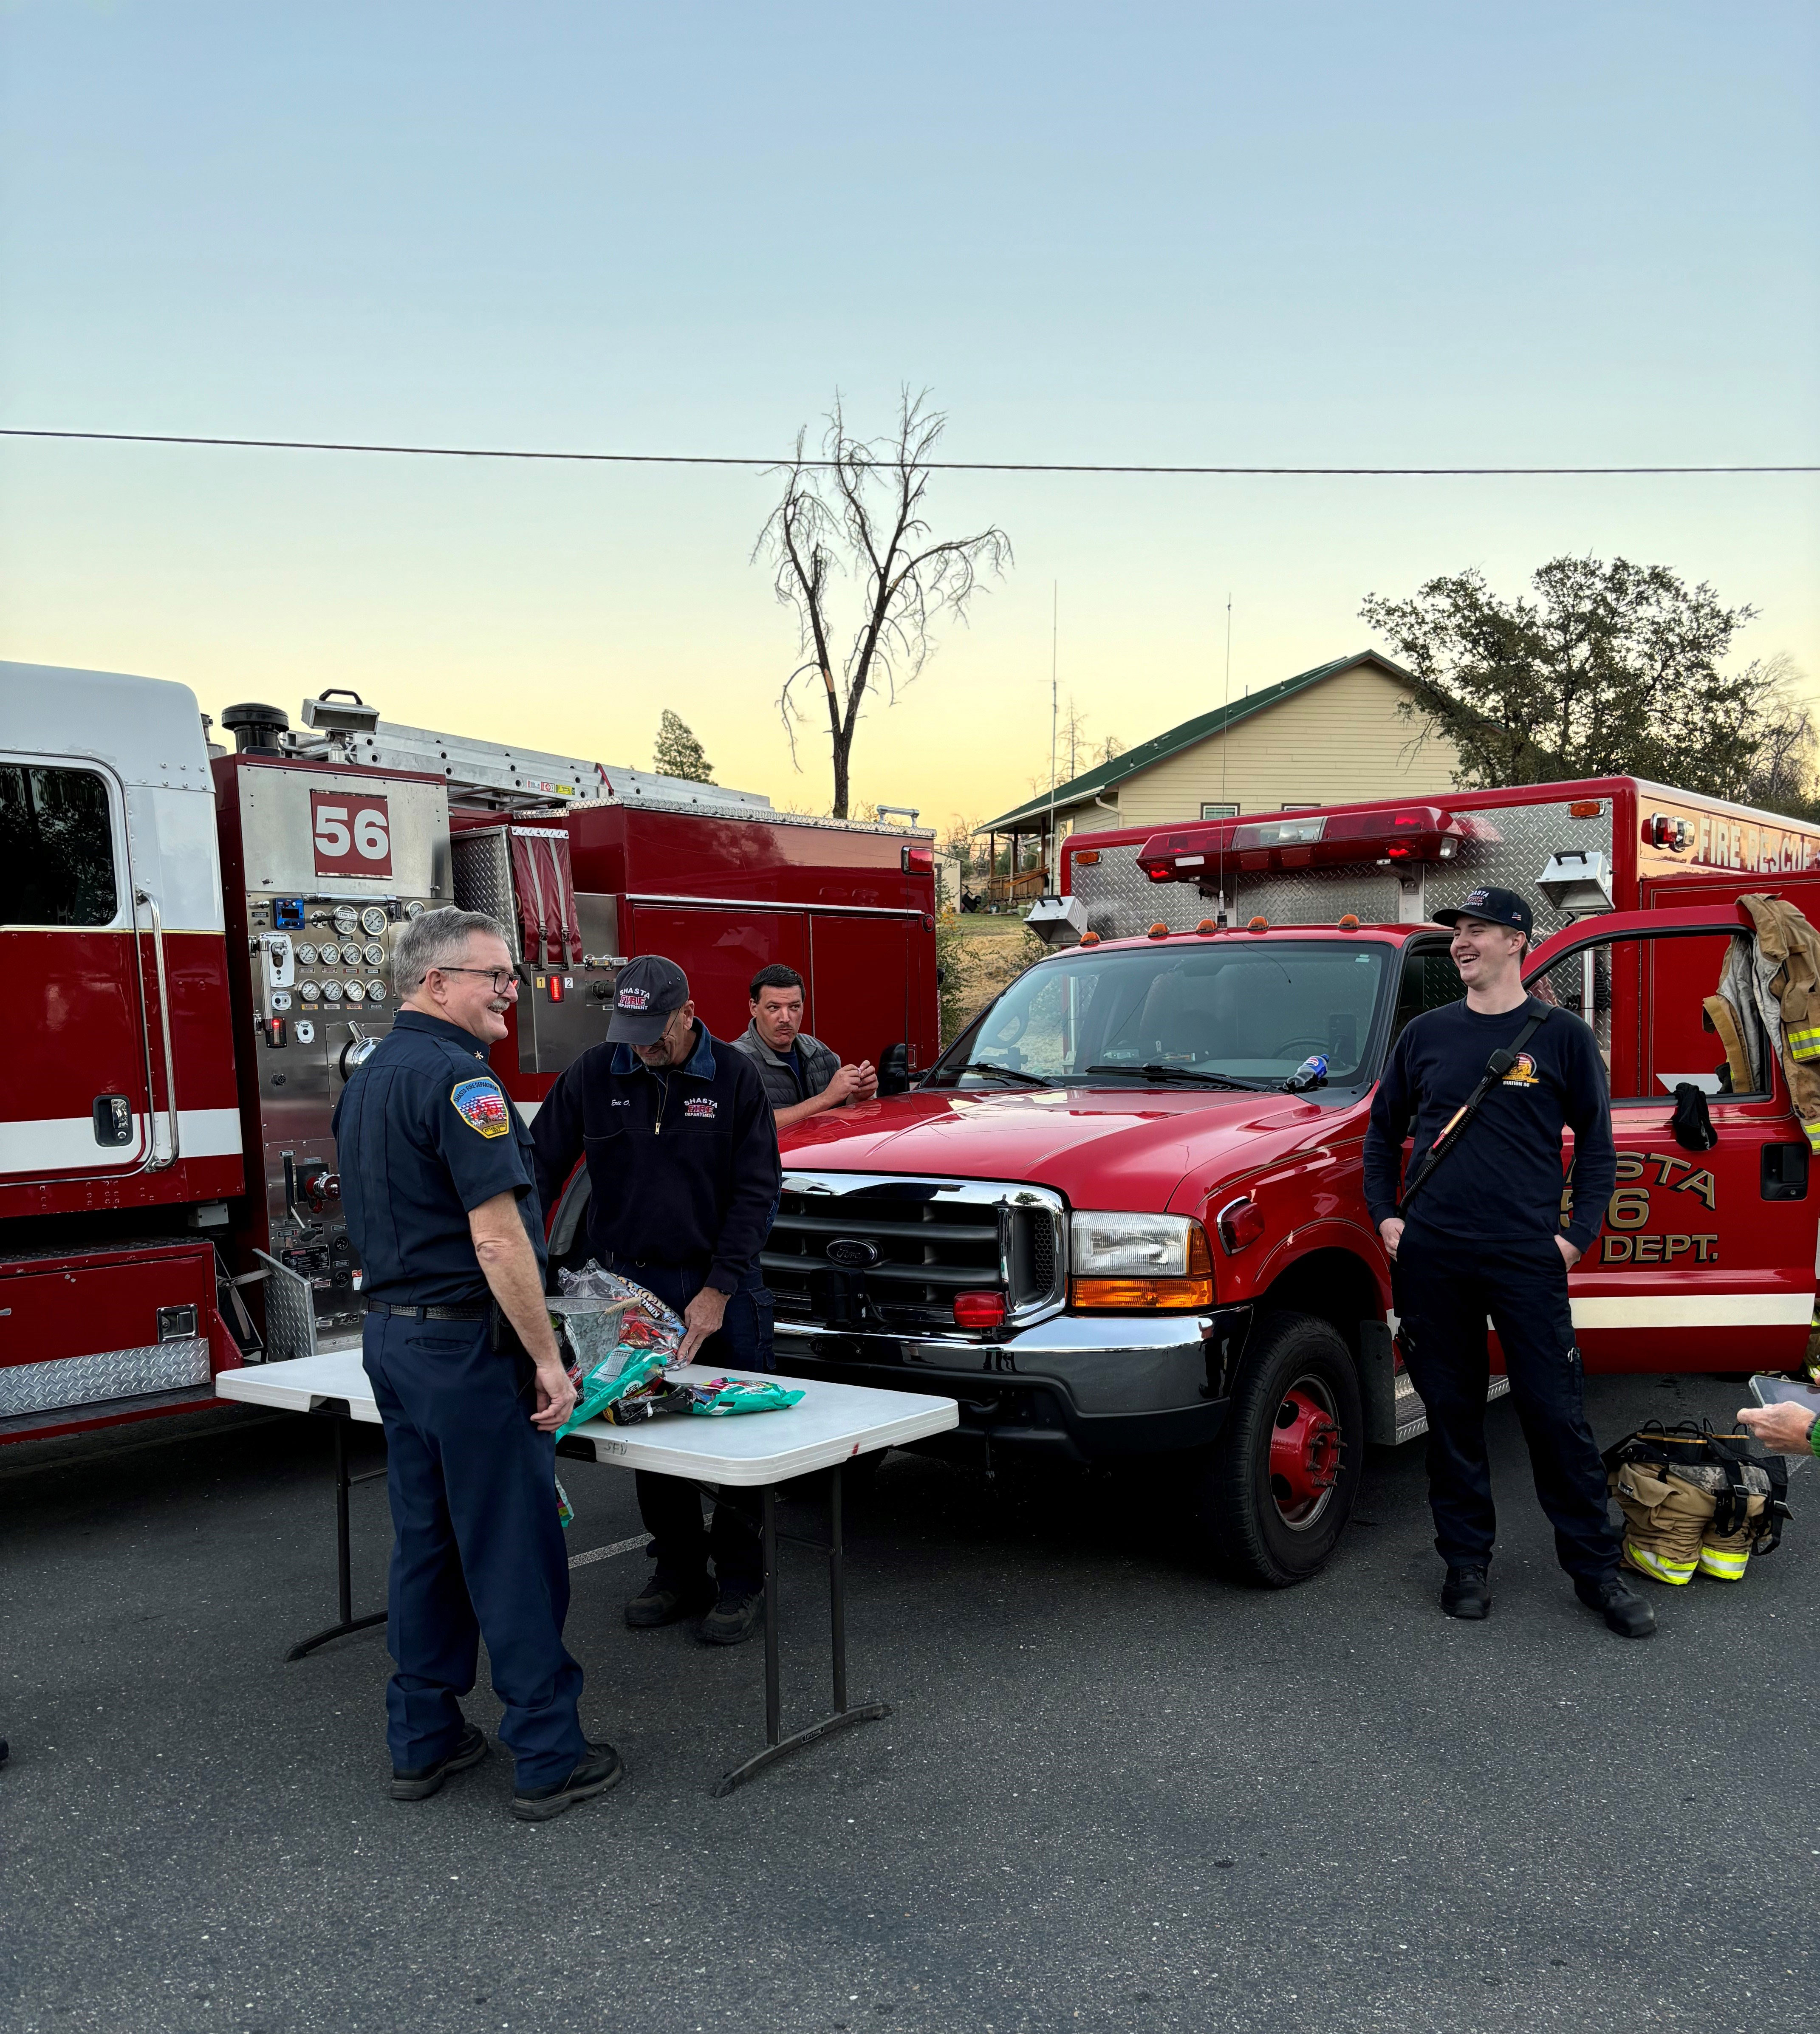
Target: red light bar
(1302, 840)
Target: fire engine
(198, 945)
(1121, 1219)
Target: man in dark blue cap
(1477, 1229)
(683, 1175)
(437, 1180)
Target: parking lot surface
(1115, 1794)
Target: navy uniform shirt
(682, 1163)
(423, 1135)
(1504, 1177)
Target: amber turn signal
(1134, 1296)
(1206, 926)
(1350, 922)
(1089, 939)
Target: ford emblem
(854, 1252)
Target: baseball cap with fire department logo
(1495, 907)
(648, 993)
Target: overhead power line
(934, 465)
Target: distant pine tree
(678, 753)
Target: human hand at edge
(1391, 1230)
(555, 1396)
(1571, 1253)
(701, 1318)
(1786, 1430)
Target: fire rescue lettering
(481, 1106)
(1629, 1210)
(634, 999)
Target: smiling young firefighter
(1476, 1230)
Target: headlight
(1128, 1263)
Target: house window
(1301, 805)
(1219, 812)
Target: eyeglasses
(499, 976)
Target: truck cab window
(1644, 997)
(56, 848)
(1429, 982)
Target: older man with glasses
(438, 1180)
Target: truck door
(860, 983)
(77, 1104)
(1706, 1259)
(720, 947)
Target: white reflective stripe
(67, 1144)
(1695, 1310)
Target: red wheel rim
(1305, 1441)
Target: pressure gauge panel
(373, 921)
(307, 954)
(375, 955)
(376, 992)
(311, 992)
(414, 909)
(346, 920)
(356, 992)
(331, 992)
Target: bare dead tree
(859, 510)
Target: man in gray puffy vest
(801, 1076)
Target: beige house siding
(1341, 741)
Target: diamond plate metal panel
(289, 1313)
(483, 879)
(1511, 847)
(114, 1373)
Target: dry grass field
(977, 957)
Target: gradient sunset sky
(1390, 235)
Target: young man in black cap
(1483, 1235)
(683, 1173)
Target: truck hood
(1100, 1147)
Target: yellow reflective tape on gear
(1675, 1572)
(1813, 1130)
(1724, 1566)
(1805, 1044)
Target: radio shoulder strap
(1497, 1066)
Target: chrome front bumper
(1095, 1384)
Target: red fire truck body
(202, 948)
(1107, 1223)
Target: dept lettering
(1630, 1211)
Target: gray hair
(439, 939)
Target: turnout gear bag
(1695, 1502)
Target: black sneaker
(736, 1614)
(418, 1783)
(602, 1768)
(656, 1602)
(1466, 1594)
(1624, 1611)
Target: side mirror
(894, 1069)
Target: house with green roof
(1323, 737)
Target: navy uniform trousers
(1446, 1286)
(479, 1550)
(671, 1506)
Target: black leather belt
(478, 1310)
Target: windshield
(1227, 1016)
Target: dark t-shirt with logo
(1504, 1177)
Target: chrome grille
(883, 1251)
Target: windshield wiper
(1008, 1073)
(1153, 1071)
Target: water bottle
(1311, 1073)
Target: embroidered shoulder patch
(481, 1106)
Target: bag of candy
(740, 1394)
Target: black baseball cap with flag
(1496, 907)
(648, 993)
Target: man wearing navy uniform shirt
(1485, 1237)
(684, 1175)
(437, 1181)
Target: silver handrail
(156, 1164)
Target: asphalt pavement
(1114, 1794)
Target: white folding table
(831, 1425)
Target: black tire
(1254, 1527)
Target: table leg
(777, 1747)
(343, 1558)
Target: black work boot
(418, 1783)
(1466, 1593)
(600, 1769)
(660, 1602)
(736, 1614)
(1623, 1610)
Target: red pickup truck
(1109, 1223)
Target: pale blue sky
(1403, 234)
